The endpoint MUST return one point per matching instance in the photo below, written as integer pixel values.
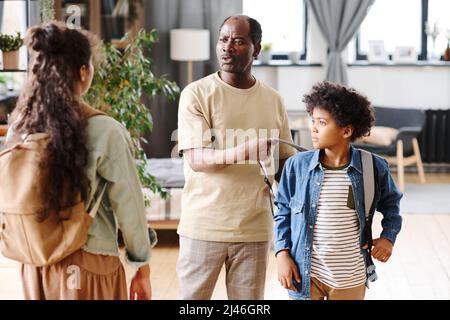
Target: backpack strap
(370, 190)
(94, 210)
(88, 112)
(23, 139)
(368, 179)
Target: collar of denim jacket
(355, 161)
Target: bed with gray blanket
(164, 214)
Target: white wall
(291, 82)
(418, 87)
(424, 87)
(409, 87)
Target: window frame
(284, 55)
(422, 55)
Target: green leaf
(119, 82)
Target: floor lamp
(189, 45)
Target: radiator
(434, 141)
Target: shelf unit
(97, 17)
(6, 107)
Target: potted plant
(119, 83)
(10, 45)
(447, 50)
(266, 53)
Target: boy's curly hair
(346, 106)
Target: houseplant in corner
(10, 45)
(120, 81)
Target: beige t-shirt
(232, 204)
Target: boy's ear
(348, 131)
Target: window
(439, 12)
(402, 23)
(13, 19)
(396, 22)
(283, 24)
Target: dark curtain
(165, 15)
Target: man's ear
(257, 50)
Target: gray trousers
(200, 262)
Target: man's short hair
(255, 28)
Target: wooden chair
(404, 150)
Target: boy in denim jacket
(319, 227)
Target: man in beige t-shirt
(225, 121)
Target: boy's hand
(140, 287)
(287, 270)
(382, 249)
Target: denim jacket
(297, 200)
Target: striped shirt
(337, 260)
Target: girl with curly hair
(320, 242)
(83, 157)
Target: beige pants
(320, 291)
(80, 276)
(200, 262)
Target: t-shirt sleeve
(193, 123)
(285, 134)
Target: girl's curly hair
(48, 104)
(346, 106)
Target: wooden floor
(418, 269)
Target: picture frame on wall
(405, 54)
(377, 53)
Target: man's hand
(211, 160)
(382, 249)
(140, 288)
(257, 149)
(287, 270)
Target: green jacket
(111, 159)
